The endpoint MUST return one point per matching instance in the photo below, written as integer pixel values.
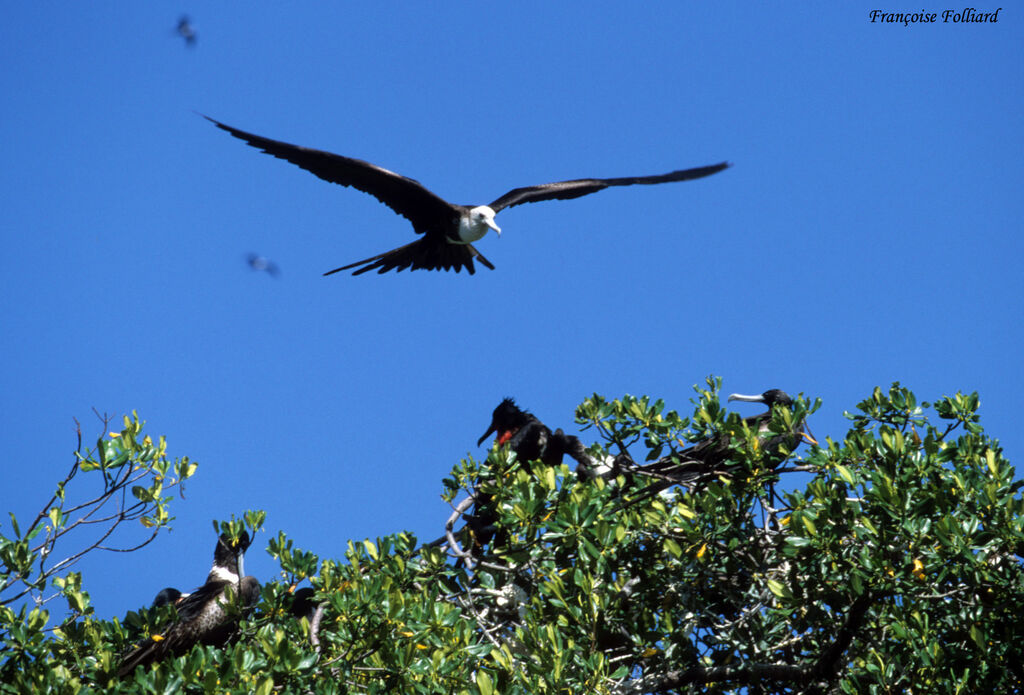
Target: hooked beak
(750, 399)
(496, 228)
(488, 433)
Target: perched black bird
(263, 264)
(186, 30)
(525, 434)
(706, 458)
(532, 440)
(204, 616)
(168, 595)
(448, 230)
(303, 604)
(587, 467)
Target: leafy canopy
(889, 561)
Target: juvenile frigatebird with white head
(204, 616)
(448, 230)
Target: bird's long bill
(759, 398)
(496, 228)
(490, 430)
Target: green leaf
(672, 547)
(371, 549)
(990, 459)
(549, 477)
(779, 589)
(845, 474)
(978, 636)
(265, 687)
(484, 682)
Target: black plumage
(205, 616)
(303, 603)
(524, 434)
(710, 457)
(168, 595)
(448, 230)
(532, 440)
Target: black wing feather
(202, 618)
(564, 190)
(408, 197)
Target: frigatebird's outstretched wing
(428, 253)
(408, 197)
(447, 229)
(564, 190)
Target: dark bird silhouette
(525, 434)
(710, 457)
(168, 595)
(186, 30)
(587, 466)
(532, 440)
(303, 604)
(448, 230)
(204, 616)
(262, 264)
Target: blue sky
(869, 231)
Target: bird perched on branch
(448, 230)
(532, 440)
(710, 457)
(168, 595)
(524, 434)
(205, 616)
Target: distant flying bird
(262, 263)
(705, 458)
(204, 615)
(448, 230)
(186, 30)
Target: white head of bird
(475, 225)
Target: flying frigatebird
(204, 616)
(448, 230)
(186, 30)
(706, 458)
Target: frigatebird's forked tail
(421, 254)
(448, 230)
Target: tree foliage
(889, 561)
